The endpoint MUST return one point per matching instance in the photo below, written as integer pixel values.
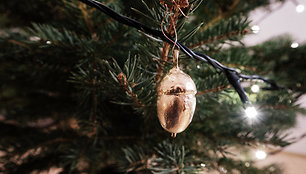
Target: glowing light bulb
(255, 88)
(251, 112)
(260, 154)
(255, 29)
(299, 8)
(294, 45)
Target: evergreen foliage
(78, 89)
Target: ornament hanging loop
(175, 58)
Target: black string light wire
(232, 74)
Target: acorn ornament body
(176, 101)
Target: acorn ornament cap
(176, 100)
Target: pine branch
(18, 43)
(58, 71)
(220, 16)
(220, 37)
(164, 58)
(88, 21)
(175, 11)
(232, 75)
(242, 67)
(138, 85)
(123, 82)
(219, 88)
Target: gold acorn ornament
(176, 99)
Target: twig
(119, 35)
(281, 149)
(224, 36)
(243, 67)
(124, 83)
(220, 16)
(18, 43)
(219, 88)
(164, 52)
(175, 10)
(164, 59)
(88, 21)
(56, 140)
(280, 107)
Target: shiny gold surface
(176, 101)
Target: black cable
(232, 75)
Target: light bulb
(294, 45)
(251, 112)
(260, 154)
(255, 29)
(299, 8)
(247, 164)
(255, 88)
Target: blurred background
(288, 18)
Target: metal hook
(175, 58)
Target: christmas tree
(79, 87)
